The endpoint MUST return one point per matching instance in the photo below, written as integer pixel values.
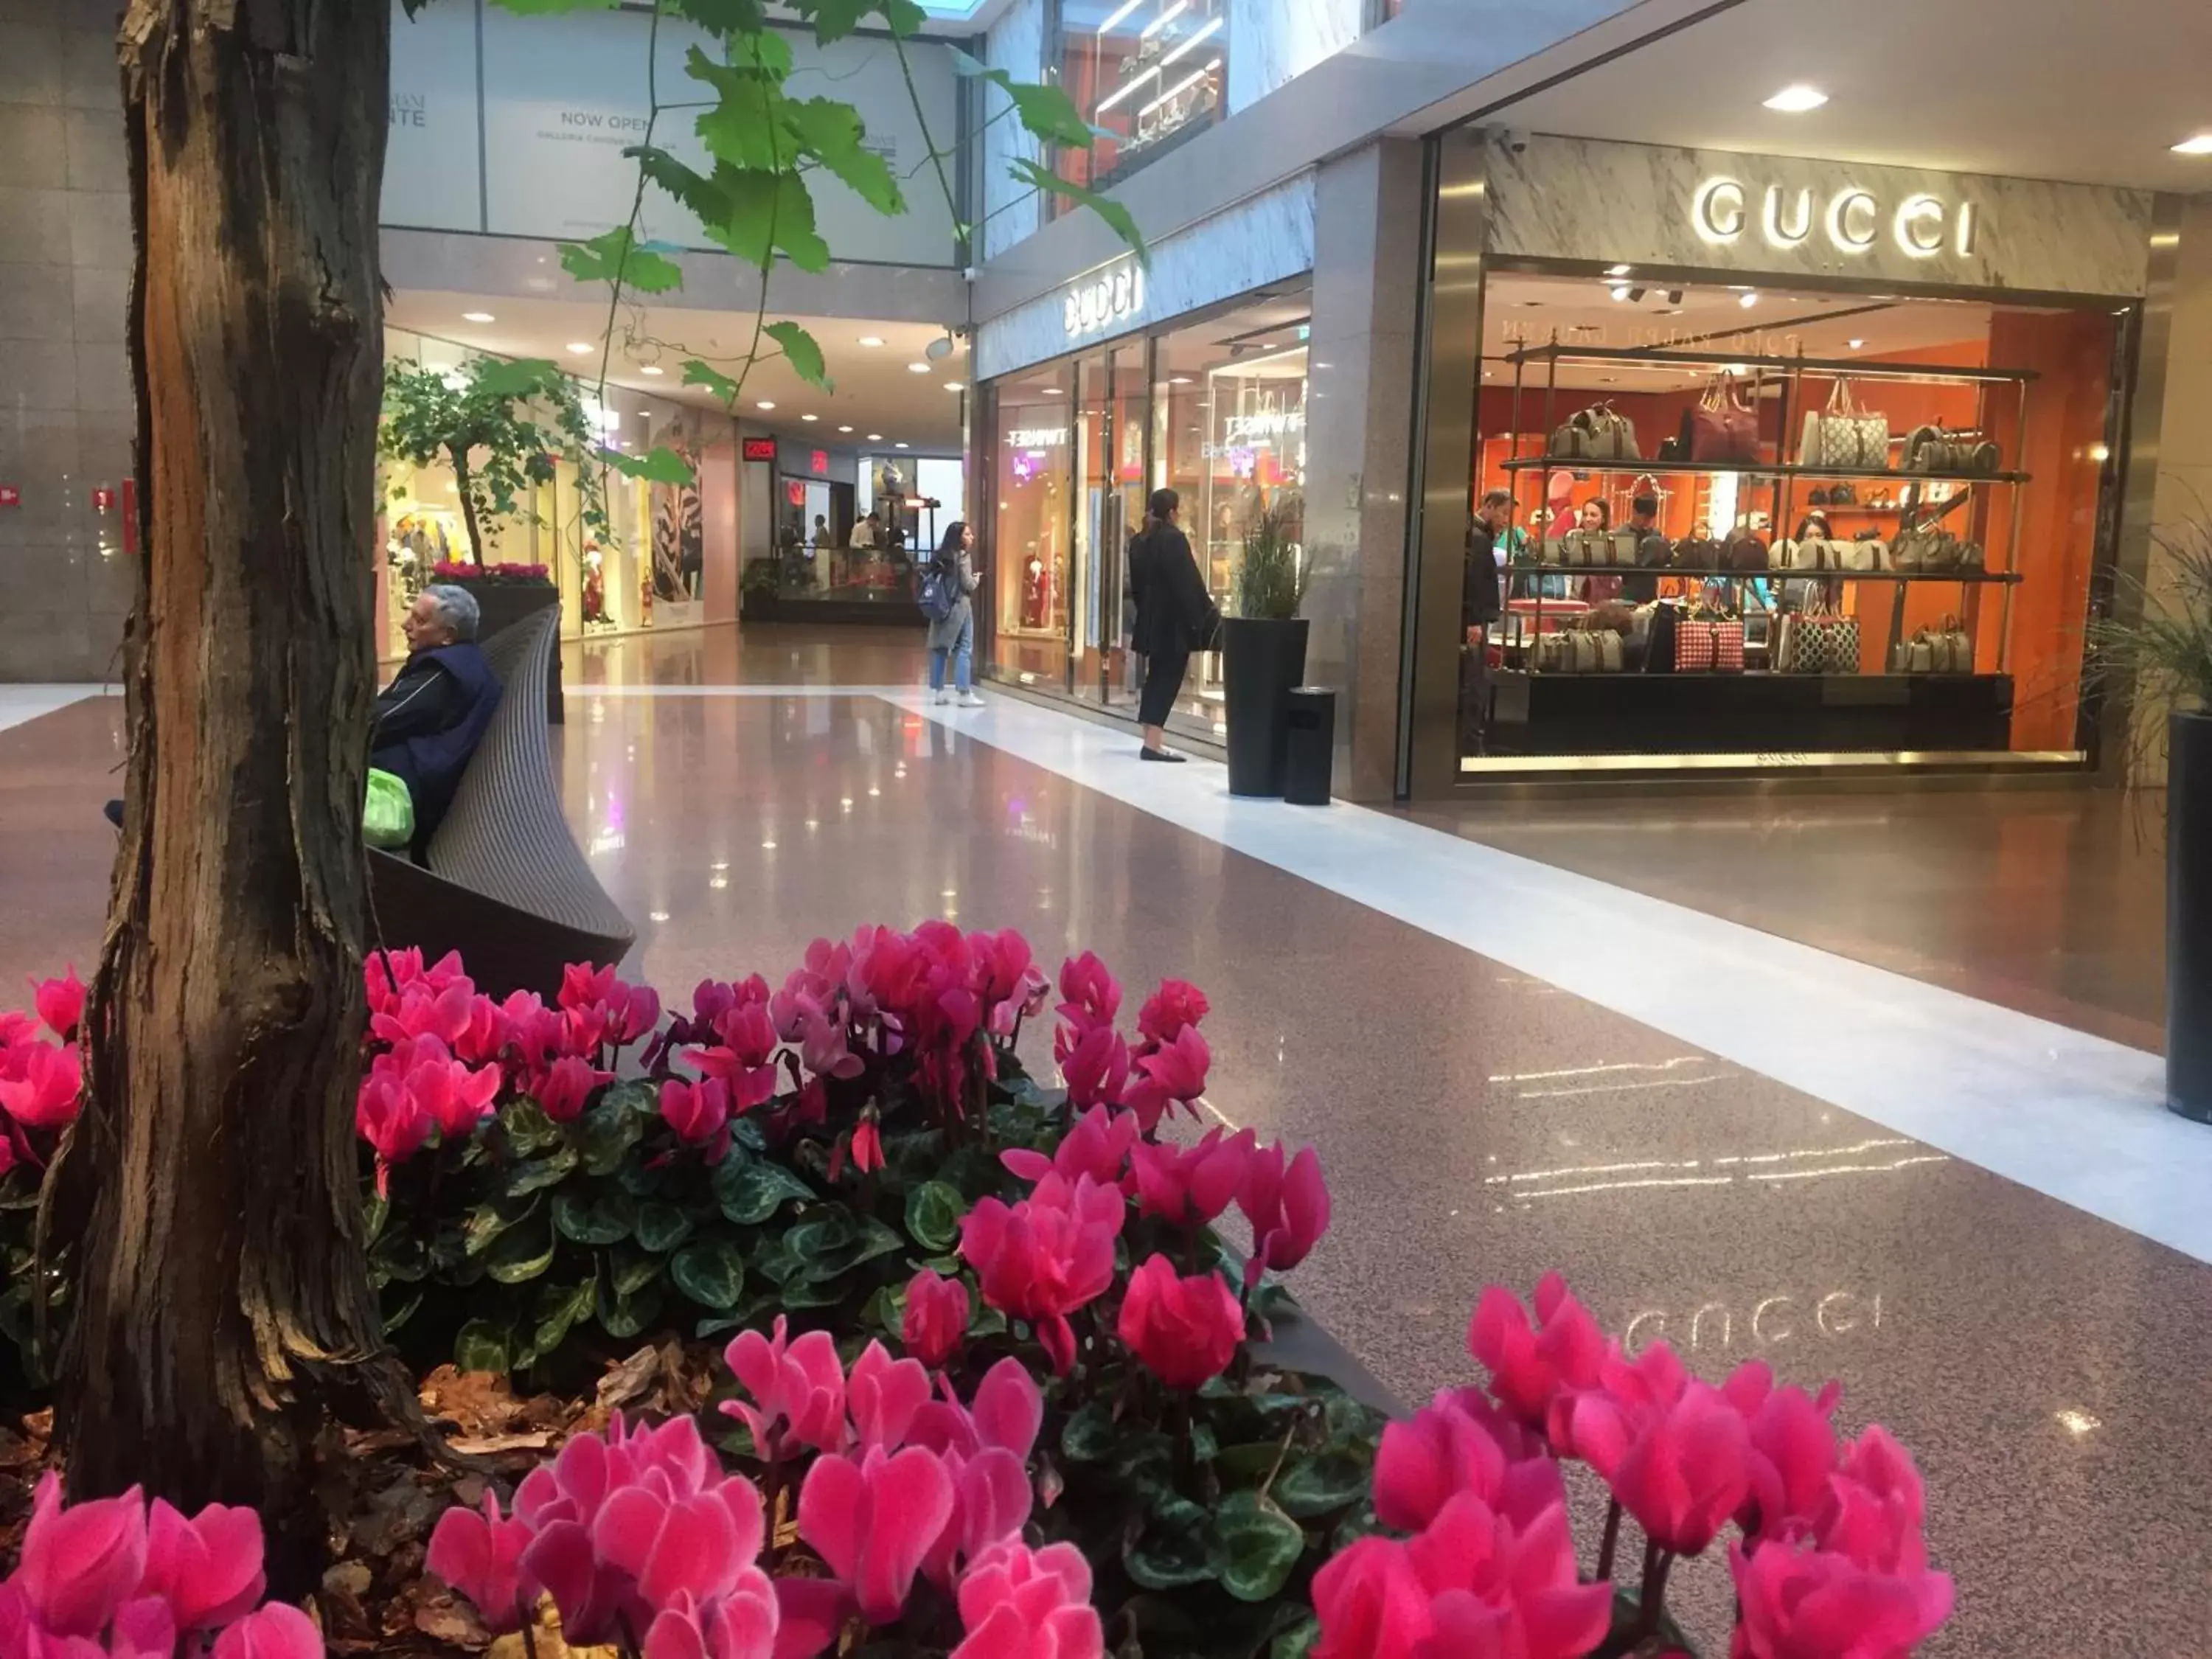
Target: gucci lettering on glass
(1854, 220)
(1101, 301)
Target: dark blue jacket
(428, 722)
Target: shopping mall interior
(1714, 805)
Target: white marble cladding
(1274, 41)
(1013, 210)
(1574, 198)
(1262, 240)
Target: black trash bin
(1311, 751)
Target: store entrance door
(1111, 397)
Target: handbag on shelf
(1949, 649)
(1914, 656)
(1653, 551)
(1600, 432)
(1728, 647)
(1937, 448)
(1691, 554)
(1843, 495)
(1624, 549)
(1723, 425)
(1816, 640)
(1744, 553)
(1557, 552)
(1694, 645)
(1844, 434)
(1972, 557)
(1612, 651)
(1815, 553)
(1868, 556)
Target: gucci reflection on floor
(1851, 1155)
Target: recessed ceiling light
(1855, 345)
(1621, 290)
(956, 386)
(764, 406)
(809, 417)
(652, 368)
(1749, 300)
(1048, 392)
(1618, 270)
(844, 429)
(898, 445)
(917, 368)
(1178, 380)
(479, 317)
(1796, 101)
(875, 437)
(579, 347)
(2200, 145)
(872, 339)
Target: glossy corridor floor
(1732, 1069)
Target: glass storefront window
(1147, 74)
(1029, 548)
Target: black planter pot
(2189, 917)
(502, 605)
(1262, 660)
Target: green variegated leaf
(488, 1221)
(661, 1227)
(711, 1272)
(932, 1215)
(630, 1269)
(522, 1252)
(606, 1217)
(751, 1191)
(624, 1317)
(481, 1345)
(557, 1309)
(1254, 1547)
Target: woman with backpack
(946, 587)
(1174, 616)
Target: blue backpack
(938, 590)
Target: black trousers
(1163, 672)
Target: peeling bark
(222, 1304)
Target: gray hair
(457, 608)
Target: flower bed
(995, 1385)
(466, 571)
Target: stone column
(1359, 405)
(66, 424)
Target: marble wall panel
(1012, 211)
(1273, 42)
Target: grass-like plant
(2161, 654)
(1271, 580)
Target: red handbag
(1723, 426)
(1693, 645)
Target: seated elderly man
(431, 718)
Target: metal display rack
(1780, 382)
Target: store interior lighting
(479, 317)
(1164, 19)
(1121, 15)
(1192, 44)
(2199, 145)
(1797, 99)
(1178, 90)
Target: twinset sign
(1038, 437)
(1921, 225)
(1101, 301)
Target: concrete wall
(65, 403)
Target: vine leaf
(833, 134)
(698, 374)
(723, 16)
(514, 377)
(803, 353)
(1117, 217)
(659, 465)
(833, 19)
(1047, 111)
(642, 266)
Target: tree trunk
(222, 1302)
(463, 487)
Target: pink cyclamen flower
(1047, 1255)
(1287, 1205)
(423, 1010)
(883, 1394)
(1688, 1472)
(1176, 1004)
(1461, 1443)
(668, 1546)
(208, 1568)
(388, 1117)
(1793, 1449)
(1095, 1065)
(1190, 1187)
(1799, 1603)
(698, 1112)
(742, 1624)
(60, 1003)
(40, 1083)
(276, 1631)
(1088, 995)
(1500, 1584)
(1097, 1144)
(1369, 1603)
(566, 1086)
(1185, 1330)
(799, 1387)
(1530, 1362)
(1006, 980)
(936, 1318)
(872, 1520)
(1019, 1603)
(1873, 1507)
(480, 1554)
(1173, 1074)
(82, 1561)
(985, 1449)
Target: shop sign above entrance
(1100, 303)
(1922, 225)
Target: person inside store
(1597, 517)
(952, 637)
(1641, 586)
(428, 722)
(1175, 616)
(1480, 610)
(863, 539)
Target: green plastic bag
(388, 820)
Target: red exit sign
(821, 460)
(760, 449)
(10, 495)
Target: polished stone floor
(1479, 1119)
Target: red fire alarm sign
(10, 496)
(103, 500)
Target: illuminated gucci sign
(1854, 220)
(1099, 302)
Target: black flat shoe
(1161, 755)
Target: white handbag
(1844, 434)
(1870, 555)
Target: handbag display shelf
(1811, 417)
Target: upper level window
(1148, 72)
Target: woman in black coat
(1174, 616)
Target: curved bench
(505, 884)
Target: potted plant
(1264, 653)
(2159, 660)
(500, 424)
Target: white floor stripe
(2074, 1116)
(19, 703)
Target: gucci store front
(1210, 402)
(1795, 468)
